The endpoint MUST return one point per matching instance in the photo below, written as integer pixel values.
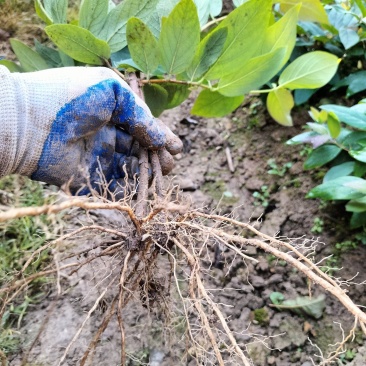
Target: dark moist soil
(203, 173)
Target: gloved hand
(70, 123)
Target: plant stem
(181, 82)
(108, 64)
(262, 91)
(212, 22)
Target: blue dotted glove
(73, 125)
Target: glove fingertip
(174, 145)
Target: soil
(273, 338)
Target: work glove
(76, 125)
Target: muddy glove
(75, 124)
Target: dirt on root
(224, 162)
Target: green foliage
(208, 51)
(349, 355)
(338, 136)
(93, 14)
(79, 43)
(250, 18)
(343, 35)
(309, 71)
(279, 105)
(29, 59)
(318, 225)
(114, 27)
(254, 72)
(262, 196)
(52, 11)
(143, 46)
(301, 305)
(179, 37)
(156, 98)
(175, 43)
(276, 169)
(213, 104)
(311, 10)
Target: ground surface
(203, 173)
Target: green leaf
(213, 104)
(57, 9)
(356, 83)
(79, 43)
(177, 93)
(337, 189)
(358, 219)
(304, 137)
(111, 5)
(203, 9)
(322, 155)
(93, 14)
(162, 9)
(50, 55)
(359, 185)
(312, 306)
(156, 98)
(340, 170)
(309, 71)
(29, 60)
(239, 2)
(65, 59)
(356, 205)
(179, 38)
(282, 34)
(114, 27)
(359, 155)
(247, 20)
(323, 116)
(215, 8)
(208, 51)
(12, 66)
(122, 59)
(252, 75)
(349, 37)
(303, 95)
(360, 169)
(347, 115)
(314, 113)
(279, 105)
(334, 125)
(311, 10)
(41, 12)
(277, 298)
(318, 128)
(142, 45)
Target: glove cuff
(23, 130)
(27, 108)
(9, 123)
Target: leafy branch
(173, 50)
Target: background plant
(174, 48)
(343, 35)
(338, 136)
